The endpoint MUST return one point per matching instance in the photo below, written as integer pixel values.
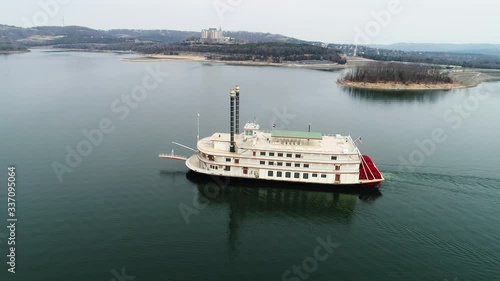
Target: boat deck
(265, 141)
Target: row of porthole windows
(273, 154)
(305, 176)
(279, 174)
(280, 164)
(288, 155)
(225, 168)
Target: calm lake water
(119, 210)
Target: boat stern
(369, 174)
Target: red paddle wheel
(369, 173)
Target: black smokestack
(237, 109)
(232, 96)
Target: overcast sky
(353, 21)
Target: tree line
(276, 52)
(377, 72)
(7, 46)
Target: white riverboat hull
(193, 164)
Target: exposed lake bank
(463, 78)
(399, 86)
(319, 65)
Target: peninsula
(411, 76)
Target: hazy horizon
(359, 21)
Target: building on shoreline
(213, 35)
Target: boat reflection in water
(250, 199)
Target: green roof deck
(297, 135)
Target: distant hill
(480, 49)
(251, 46)
(79, 33)
(442, 58)
(263, 37)
(260, 46)
(165, 36)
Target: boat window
(262, 154)
(323, 176)
(271, 154)
(228, 168)
(228, 159)
(306, 165)
(334, 157)
(288, 174)
(315, 175)
(297, 175)
(280, 163)
(289, 164)
(306, 176)
(279, 174)
(270, 173)
(297, 165)
(289, 155)
(263, 162)
(280, 154)
(271, 163)
(298, 155)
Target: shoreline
(352, 62)
(157, 58)
(14, 52)
(463, 78)
(400, 86)
(62, 50)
